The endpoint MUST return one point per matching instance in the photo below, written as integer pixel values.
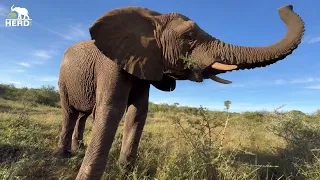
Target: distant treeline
(49, 95)
(46, 95)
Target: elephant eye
(189, 35)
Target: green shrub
(302, 139)
(207, 159)
(254, 116)
(10, 92)
(46, 95)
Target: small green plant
(188, 62)
(12, 15)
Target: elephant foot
(128, 166)
(77, 145)
(60, 153)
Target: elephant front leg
(111, 102)
(77, 138)
(134, 123)
(103, 132)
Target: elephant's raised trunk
(12, 7)
(252, 57)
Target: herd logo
(16, 15)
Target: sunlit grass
(256, 145)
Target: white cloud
(296, 81)
(237, 85)
(276, 82)
(37, 62)
(279, 81)
(317, 87)
(74, 32)
(17, 70)
(15, 82)
(11, 70)
(305, 80)
(4, 11)
(77, 33)
(312, 39)
(25, 64)
(40, 56)
(48, 79)
(43, 54)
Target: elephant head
(163, 48)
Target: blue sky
(31, 56)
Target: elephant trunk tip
(285, 8)
(287, 15)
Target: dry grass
(177, 143)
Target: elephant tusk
(220, 80)
(224, 67)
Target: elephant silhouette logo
(21, 12)
(18, 17)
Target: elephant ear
(126, 36)
(166, 84)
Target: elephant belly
(82, 97)
(77, 78)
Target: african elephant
(132, 48)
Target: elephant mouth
(216, 68)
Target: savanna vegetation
(177, 143)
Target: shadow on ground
(22, 162)
(276, 166)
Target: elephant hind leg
(70, 116)
(77, 138)
(68, 124)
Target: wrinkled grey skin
(130, 49)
